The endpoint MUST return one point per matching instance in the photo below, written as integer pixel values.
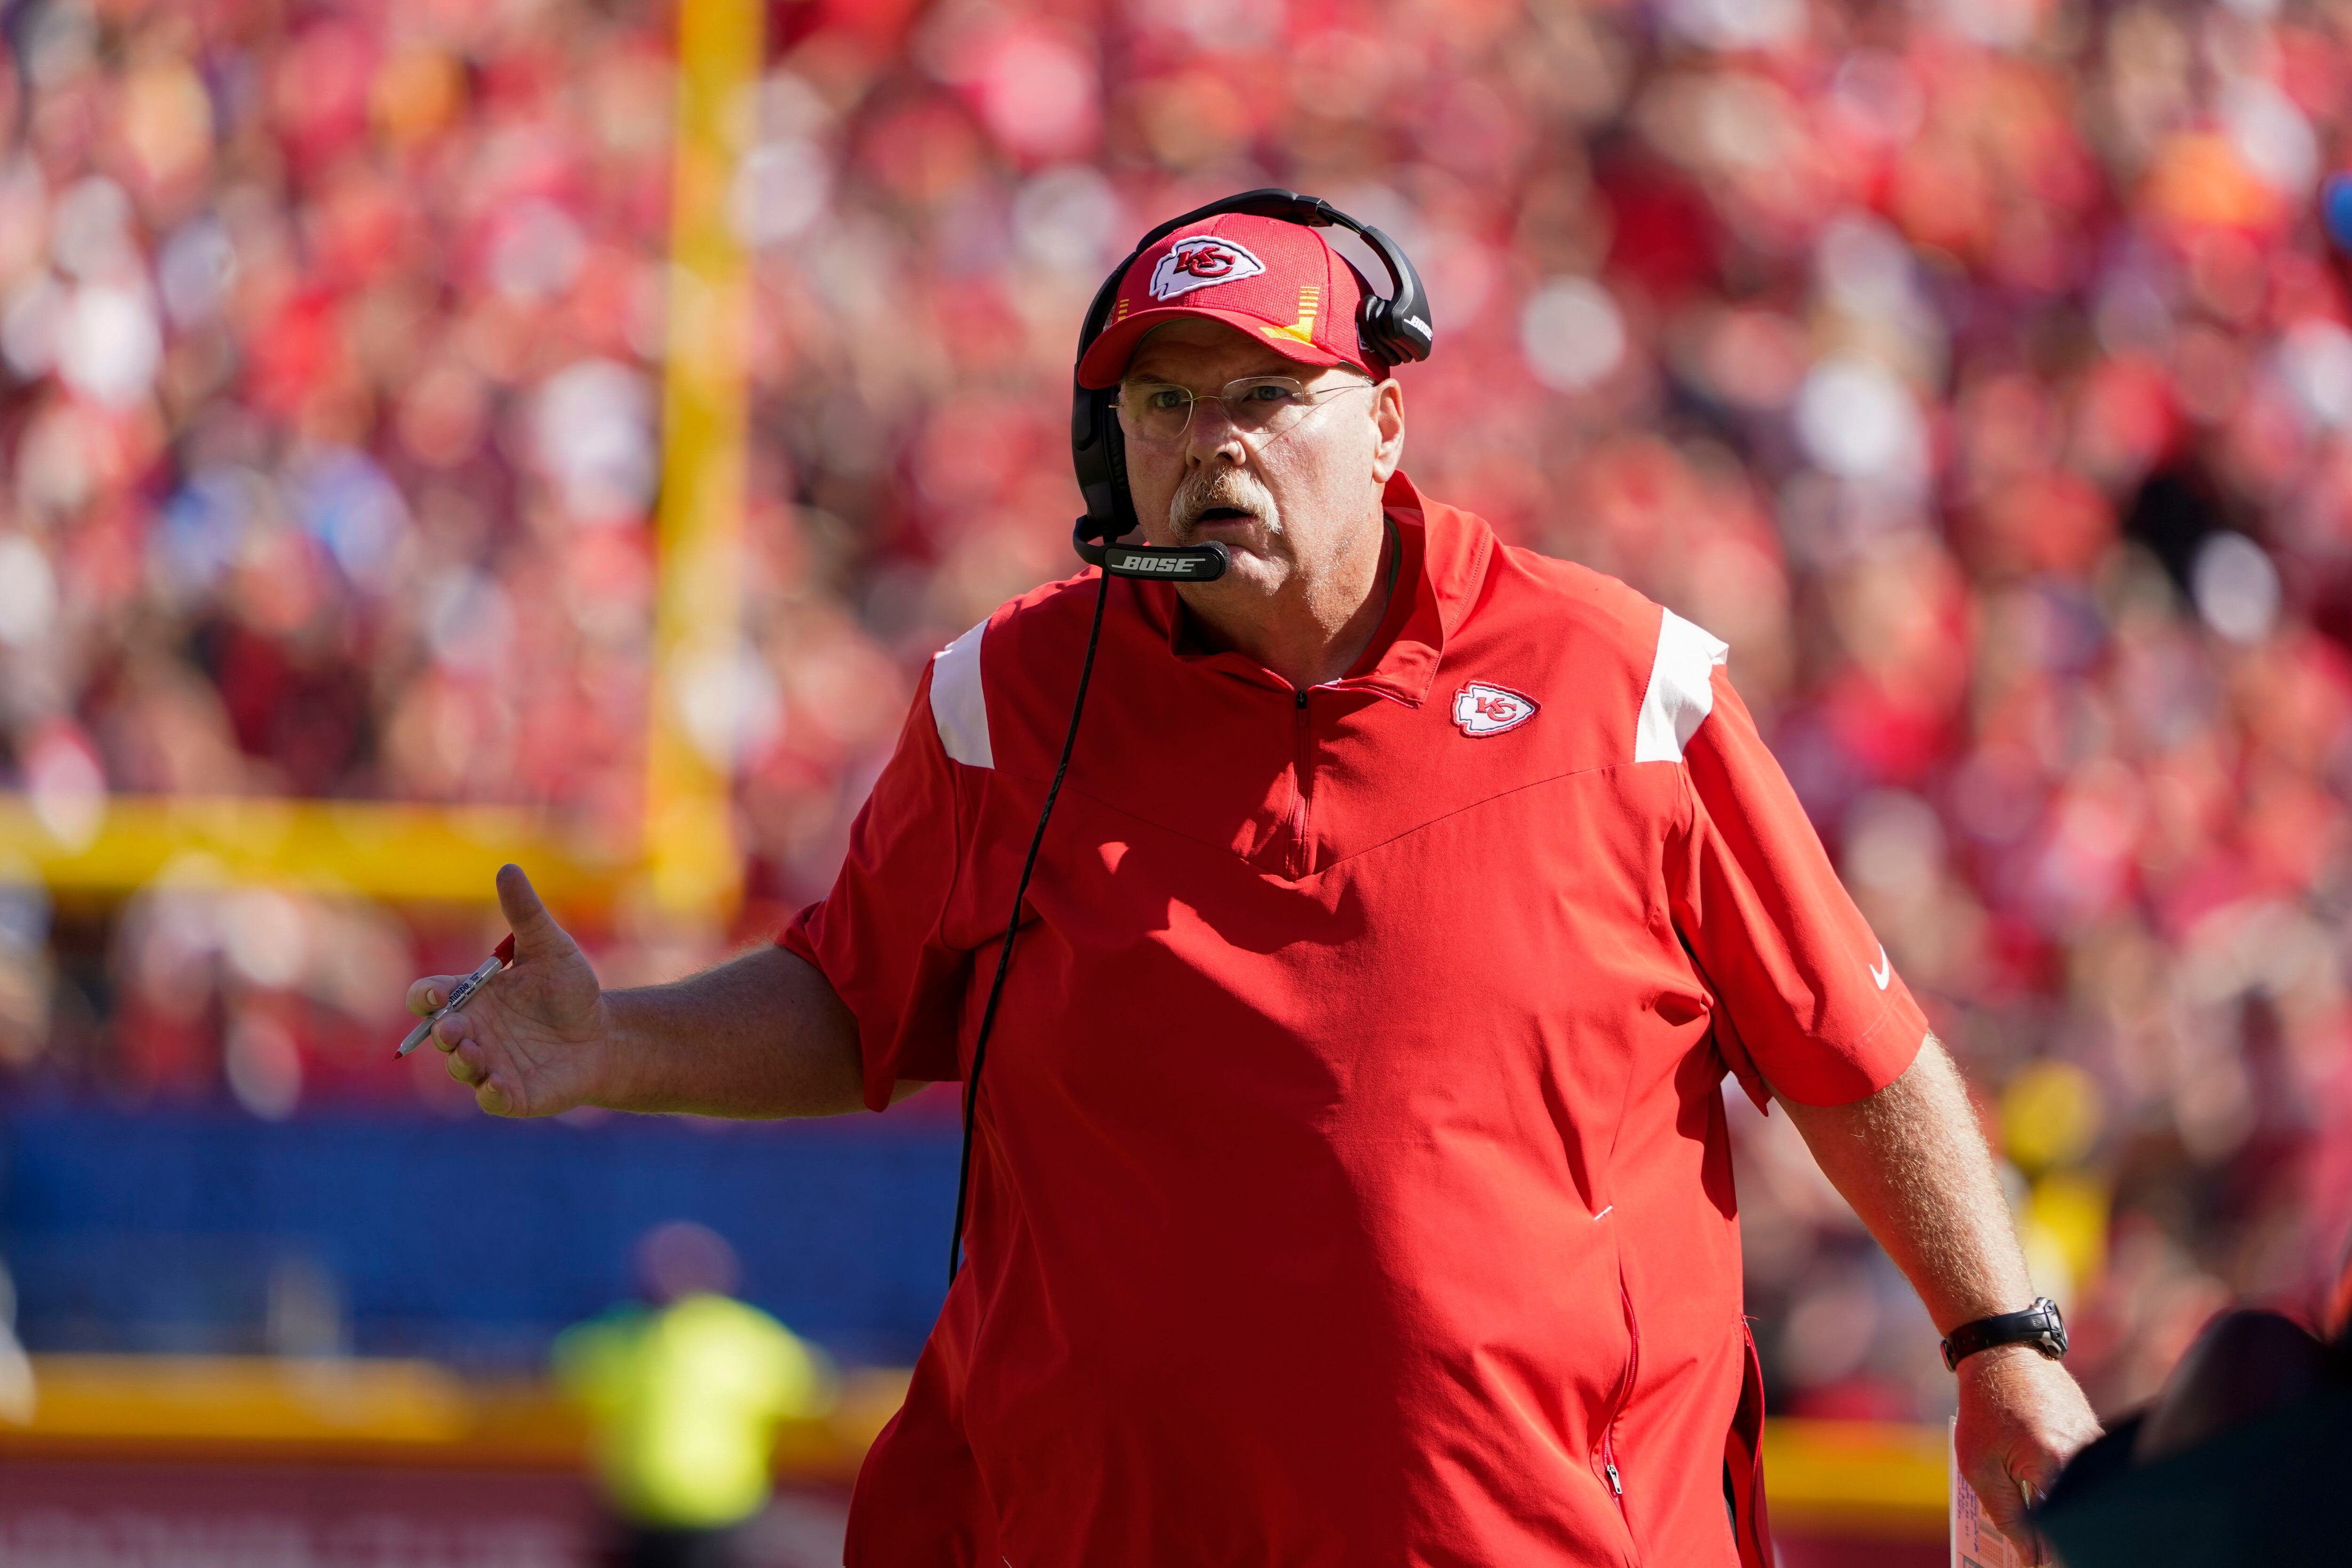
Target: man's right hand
(537, 1040)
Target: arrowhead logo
(1882, 971)
(1198, 261)
(1480, 709)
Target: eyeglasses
(1258, 405)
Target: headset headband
(1390, 330)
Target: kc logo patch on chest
(1480, 709)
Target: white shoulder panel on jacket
(1681, 691)
(958, 706)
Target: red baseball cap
(1277, 281)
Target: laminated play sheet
(1977, 1540)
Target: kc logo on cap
(1197, 261)
(1276, 282)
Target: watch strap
(2038, 1325)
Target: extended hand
(536, 1039)
(2022, 1419)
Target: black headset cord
(1012, 929)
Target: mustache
(1211, 488)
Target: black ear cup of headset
(1392, 330)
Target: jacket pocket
(1604, 1448)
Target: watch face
(2053, 1343)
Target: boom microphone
(1188, 563)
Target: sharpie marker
(459, 995)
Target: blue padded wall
(474, 1239)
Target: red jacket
(1351, 1184)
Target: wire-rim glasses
(1161, 412)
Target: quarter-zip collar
(1444, 553)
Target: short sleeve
(1809, 1002)
(877, 935)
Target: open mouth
(1224, 515)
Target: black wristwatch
(2038, 1325)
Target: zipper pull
(1616, 1484)
(1302, 699)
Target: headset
(1389, 331)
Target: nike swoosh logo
(1882, 971)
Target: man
(1351, 1183)
(683, 1392)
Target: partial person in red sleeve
(1348, 1178)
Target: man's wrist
(2000, 1358)
(2039, 1328)
(619, 1042)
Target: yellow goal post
(687, 860)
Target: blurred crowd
(1978, 369)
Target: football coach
(1349, 1182)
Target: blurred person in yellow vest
(684, 1391)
